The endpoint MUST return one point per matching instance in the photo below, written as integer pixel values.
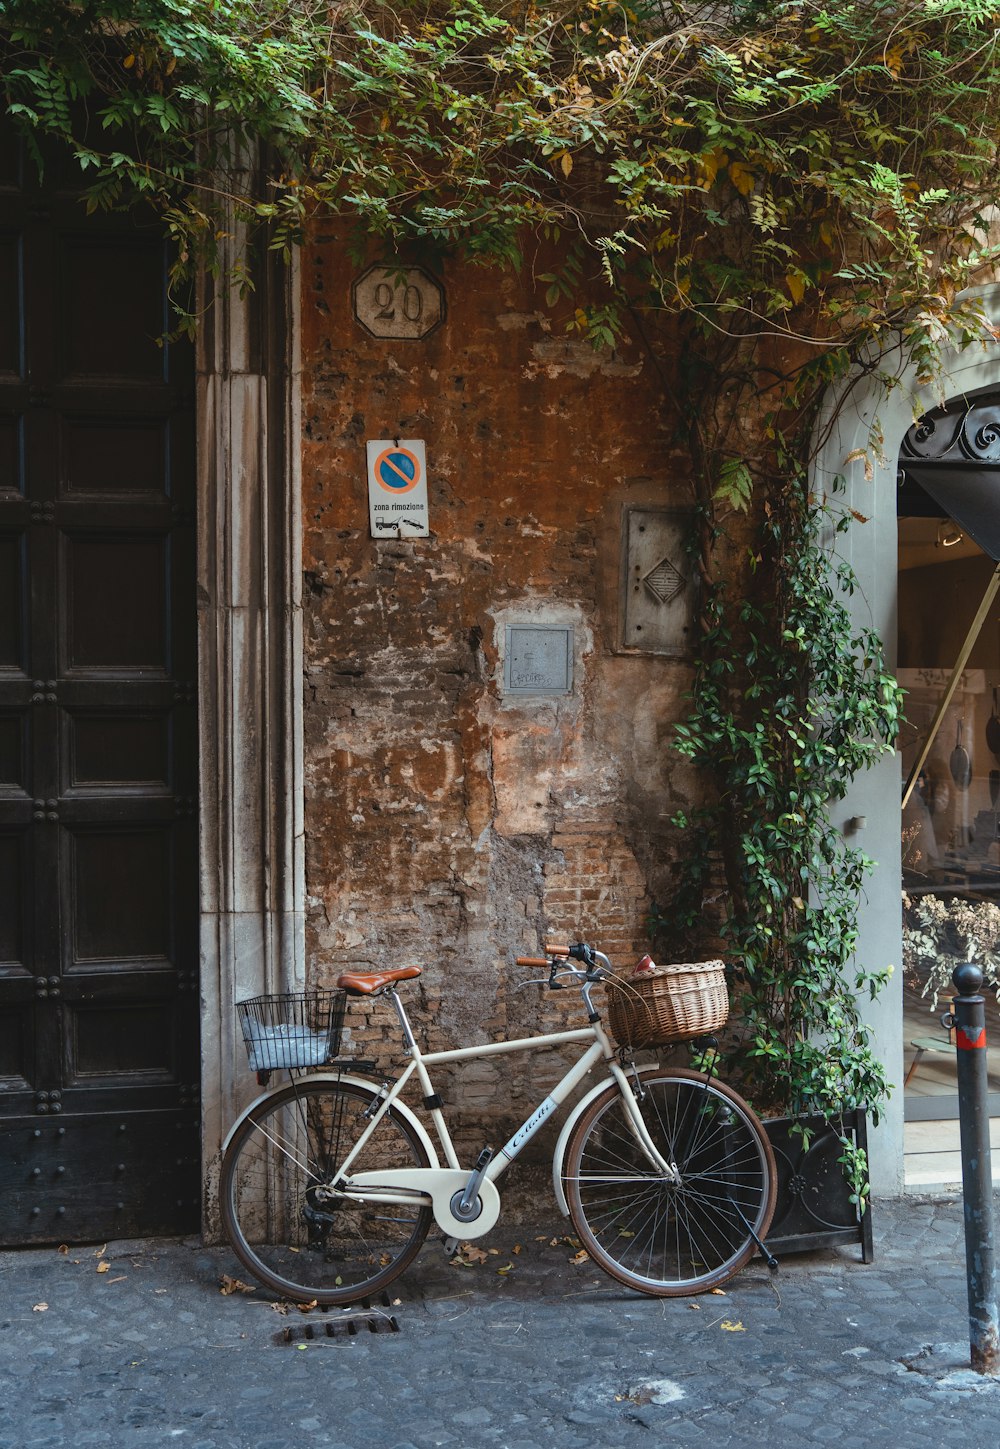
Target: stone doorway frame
(249, 584)
(870, 549)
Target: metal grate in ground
(345, 1324)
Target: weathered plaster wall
(447, 824)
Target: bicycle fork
(631, 1097)
(669, 1170)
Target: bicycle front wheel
(661, 1237)
(286, 1226)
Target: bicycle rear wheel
(658, 1237)
(285, 1227)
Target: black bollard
(969, 1021)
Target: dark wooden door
(99, 1056)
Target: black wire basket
(292, 1031)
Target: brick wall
(447, 823)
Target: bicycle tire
(659, 1238)
(298, 1244)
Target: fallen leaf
(279, 1307)
(229, 1285)
(64, 1249)
(40, 1308)
(159, 1290)
(695, 1306)
(719, 1292)
(506, 1269)
(516, 1248)
(731, 1327)
(307, 1307)
(494, 1252)
(99, 1252)
(301, 1347)
(468, 1254)
(104, 1266)
(581, 1257)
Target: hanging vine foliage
(774, 195)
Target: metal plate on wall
(658, 582)
(538, 659)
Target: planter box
(813, 1209)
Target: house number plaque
(404, 303)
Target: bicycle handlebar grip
(532, 961)
(557, 948)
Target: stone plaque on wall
(402, 303)
(658, 582)
(538, 659)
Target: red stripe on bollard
(967, 1043)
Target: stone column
(250, 673)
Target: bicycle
(330, 1184)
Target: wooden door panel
(10, 455)
(16, 1048)
(122, 892)
(115, 308)
(14, 897)
(10, 308)
(126, 751)
(69, 1176)
(117, 592)
(112, 1041)
(101, 457)
(99, 1057)
(12, 594)
(14, 739)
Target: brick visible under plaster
(446, 824)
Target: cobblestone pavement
(149, 1352)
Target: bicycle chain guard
(441, 1185)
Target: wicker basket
(671, 1003)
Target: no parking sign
(397, 488)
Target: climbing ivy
(791, 700)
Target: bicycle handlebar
(559, 951)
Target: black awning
(971, 496)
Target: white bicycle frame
(450, 1188)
